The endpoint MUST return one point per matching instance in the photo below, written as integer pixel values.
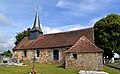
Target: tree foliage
(21, 35)
(107, 34)
(6, 53)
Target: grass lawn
(39, 68)
(111, 70)
(45, 69)
(116, 64)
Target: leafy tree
(6, 53)
(21, 35)
(107, 34)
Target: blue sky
(55, 16)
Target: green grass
(45, 69)
(111, 70)
(39, 68)
(116, 64)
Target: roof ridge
(69, 31)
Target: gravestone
(92, 72)
(5, 61)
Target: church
(72, 49)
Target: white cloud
(93, 21)
(63, 3)
(82, 6)
(4, 20)
(48, 30)
(77, 27)
(6, 42)
(74, 28)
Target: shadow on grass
(62, 67)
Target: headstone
(92, 72)
(112, 60)
(6, 60)
(14, 60)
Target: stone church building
(73, 49)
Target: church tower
(36, 29)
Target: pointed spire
(36, 24)
(36, 29)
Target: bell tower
(36, 29)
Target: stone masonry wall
(19, 54)
(45, 56)
(85, 61)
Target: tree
(107, 34)
(6, 53)
(21, 35)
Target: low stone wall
(85, 61)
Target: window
(38, 53)
(75, 56)
(55, 54)
(25, 53)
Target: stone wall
(85, 61)
(18, 54)
(45, 56)
(48, 56)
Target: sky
(55, 16)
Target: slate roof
(62, 39)
(36, 25)
(84, 45)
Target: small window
(75, 56)
(38, 53)
(25, 53)
(55, 54)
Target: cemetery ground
(116, 64)
(45, 69)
